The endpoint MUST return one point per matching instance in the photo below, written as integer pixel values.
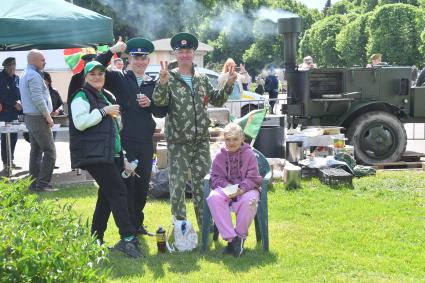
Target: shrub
(43, 242)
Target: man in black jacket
(133, 90)
(10, 104)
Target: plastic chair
(261, 218)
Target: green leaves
(394, 31)
(44, 242)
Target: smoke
(272, 14)
(155, 19)
(158, 19)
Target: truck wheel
(248, 108)
(377, 137)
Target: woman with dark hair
(95, 145)
(57, 103)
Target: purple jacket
(236, 168)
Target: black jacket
(75, 84)
(96, 144)
(138, 124)
(56, 98)
(9, 95)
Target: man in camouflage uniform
(187, 94)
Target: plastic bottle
(160, 240)
(154, 164)
(127, 173)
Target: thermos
(160, 240)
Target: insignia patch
(183, 42)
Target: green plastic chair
(261, 218)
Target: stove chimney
(290, 28)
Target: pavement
(64, 175)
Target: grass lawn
(372, 233)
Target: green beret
(139, 46)
(184, 40)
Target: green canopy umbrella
(50, 24)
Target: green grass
(372, 233)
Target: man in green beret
(133, 90)
(187, 95)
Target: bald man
(37, 106)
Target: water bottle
(154, 164)
(129, 171)
(160, 240)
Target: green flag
(251, 122)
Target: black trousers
(112, 196)
(13, 140)
(138, 187)
(272, 95)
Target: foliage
(371, 233)
(351, 41)
(342, 7)
(320, 41)
(44, 242)
(268, 45)
(395, 28)
(234, 28)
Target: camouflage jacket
(187, 119)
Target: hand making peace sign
(164, 75)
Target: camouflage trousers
(188, 162)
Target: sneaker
(130, 248)
(228, 250)
(143, 231)
(237, 244)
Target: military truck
(370, 103)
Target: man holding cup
(133, 90)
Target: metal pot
(294, 151)
(292, 176)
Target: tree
(328, 4)
(343, 7)
(268, 45)
(266, 49)
(351, 41)
(321, 40)
(394, 31)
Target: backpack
(185, 237)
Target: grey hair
(233, 129)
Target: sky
(318, 4)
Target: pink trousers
(245, 208)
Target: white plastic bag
(185, 237)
